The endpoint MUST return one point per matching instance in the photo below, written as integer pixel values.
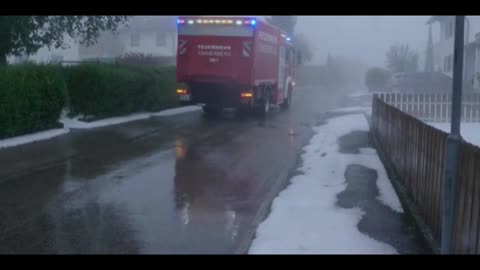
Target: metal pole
(454, 139)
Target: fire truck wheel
(264, 107)
(288, 101)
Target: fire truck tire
(264, 107)
(288, 101)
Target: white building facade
(443, 47)
(148, 35)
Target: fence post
(454, 138)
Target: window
(161, 39)
(135, 40)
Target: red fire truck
(239, 62)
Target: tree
(429, 52)
(287, 23)
(401, 59)
(21, 35)
(376, 78)
(302, 45)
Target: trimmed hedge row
(103, 90)
(32, 96)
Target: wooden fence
(416, 151)
(433, 107)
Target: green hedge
(31, 98)
(105, 90)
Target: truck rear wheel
(264, 106)
(288, 101)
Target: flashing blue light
(288, 39)
(253, 22)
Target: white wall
(444, 47)
(44, 55)
(148, 44)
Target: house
(46, 55)
(149, 35)
(443, 48)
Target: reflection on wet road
(182, 184)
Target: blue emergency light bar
(222, 21)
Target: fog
(360, 41)
(364, 38)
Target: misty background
(364, 38)
(357, 42)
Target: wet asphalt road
(182, 184)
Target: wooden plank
(435, 180)
(405, 146)
(438, 186)
(438, 192)
(459, 209)
(409, 153)
(421, 178)
(426, 141)
(431, 173)
(475, 223)
(415, 171)
(469, 189)
(427, 178)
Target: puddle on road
(379, 222)
(352, 142)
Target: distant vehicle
(420, 82)
(235, 62)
